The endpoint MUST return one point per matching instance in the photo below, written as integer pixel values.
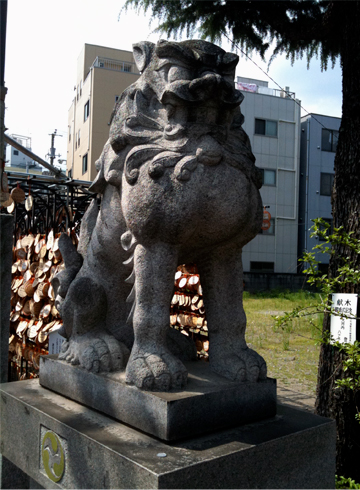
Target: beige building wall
(102, 75)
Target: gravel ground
(294, 398)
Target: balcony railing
(259, 89)
(115, 65)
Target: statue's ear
(142, 54)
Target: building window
(15, 152)
(127, 68)
(80, 88)
(329, 140)
(261, 266)
(329, 229)
(86, 110)
(85, 163)
(326, 184)
(79, 138)
(268, 176)
(271, 230)
(266, 127)
(77, 93)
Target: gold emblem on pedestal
(53, 456)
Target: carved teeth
(129, 262)
(131, 314)
(132, 295)
(131, 278)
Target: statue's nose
(209, 83)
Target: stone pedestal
(209, 401)
(62, 444)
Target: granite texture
(177, 184)
(209, 401)
(11, 476)
(295, 449)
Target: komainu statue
(176, 183)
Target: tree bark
(339, 403)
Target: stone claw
(95, 351)
(155, 372)
(243, 365)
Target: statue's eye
(178, 73)
(229, 78)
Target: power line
(274, 81)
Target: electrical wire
(274, 81)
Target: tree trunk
(339, 403)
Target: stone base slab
(209, 401)
(295, 449)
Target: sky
(44, 39)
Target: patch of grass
(342, 482)
(292, 354)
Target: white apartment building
(272, 122)
(16, 161)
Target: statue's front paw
(155, 371)
(242, 365)
(69, 351)
(96, 352)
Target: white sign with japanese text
(55, 342)
(343, 328)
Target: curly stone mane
(147, 134)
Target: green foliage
(298, 27)
(351, 367)
(346, 276)
(342, 482)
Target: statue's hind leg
(151, 365)
(222, 281)
(90, 345)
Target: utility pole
(52, 148)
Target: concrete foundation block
(62, 444)
(11, 476)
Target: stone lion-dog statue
(177, 184)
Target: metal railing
(260, 89)
(115, 65)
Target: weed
(271, 343)
(342, 482)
